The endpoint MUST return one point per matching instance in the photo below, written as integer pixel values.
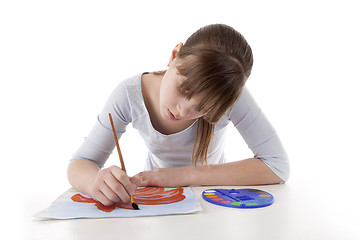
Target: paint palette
(238, 198)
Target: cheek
(166, 96)
(163, 94)
(195, 115)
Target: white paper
(167, 200)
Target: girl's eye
(181, 91)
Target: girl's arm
(81, 175)
(250, 171)
(108, 185)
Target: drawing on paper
(142, 196)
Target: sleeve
(259, 134)
(99, 143)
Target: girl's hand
(112, 185)
(163, 177)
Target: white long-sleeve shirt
(126, 105)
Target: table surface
(297, 213)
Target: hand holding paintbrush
(134, 205)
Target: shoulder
(130, 83)
(245, 108)
(245, 105)
(130, 97)
(123, 97)
(127, 88)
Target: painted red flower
(142, 196)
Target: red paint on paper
(142, 196)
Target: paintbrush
(134, 205)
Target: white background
(60, 60)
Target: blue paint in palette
(238, 198)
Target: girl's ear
(174, 52)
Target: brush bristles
(134, 205)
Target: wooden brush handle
(117, 144)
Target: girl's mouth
(172, 117)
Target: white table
(294, 215)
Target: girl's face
(174, 105)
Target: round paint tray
(238, 198)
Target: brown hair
(215, 60)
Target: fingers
(112, 185)
(163, 177)
(146, 179)
(139, 180)
(123, 178)
(101, 197)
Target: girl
(182, 114)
